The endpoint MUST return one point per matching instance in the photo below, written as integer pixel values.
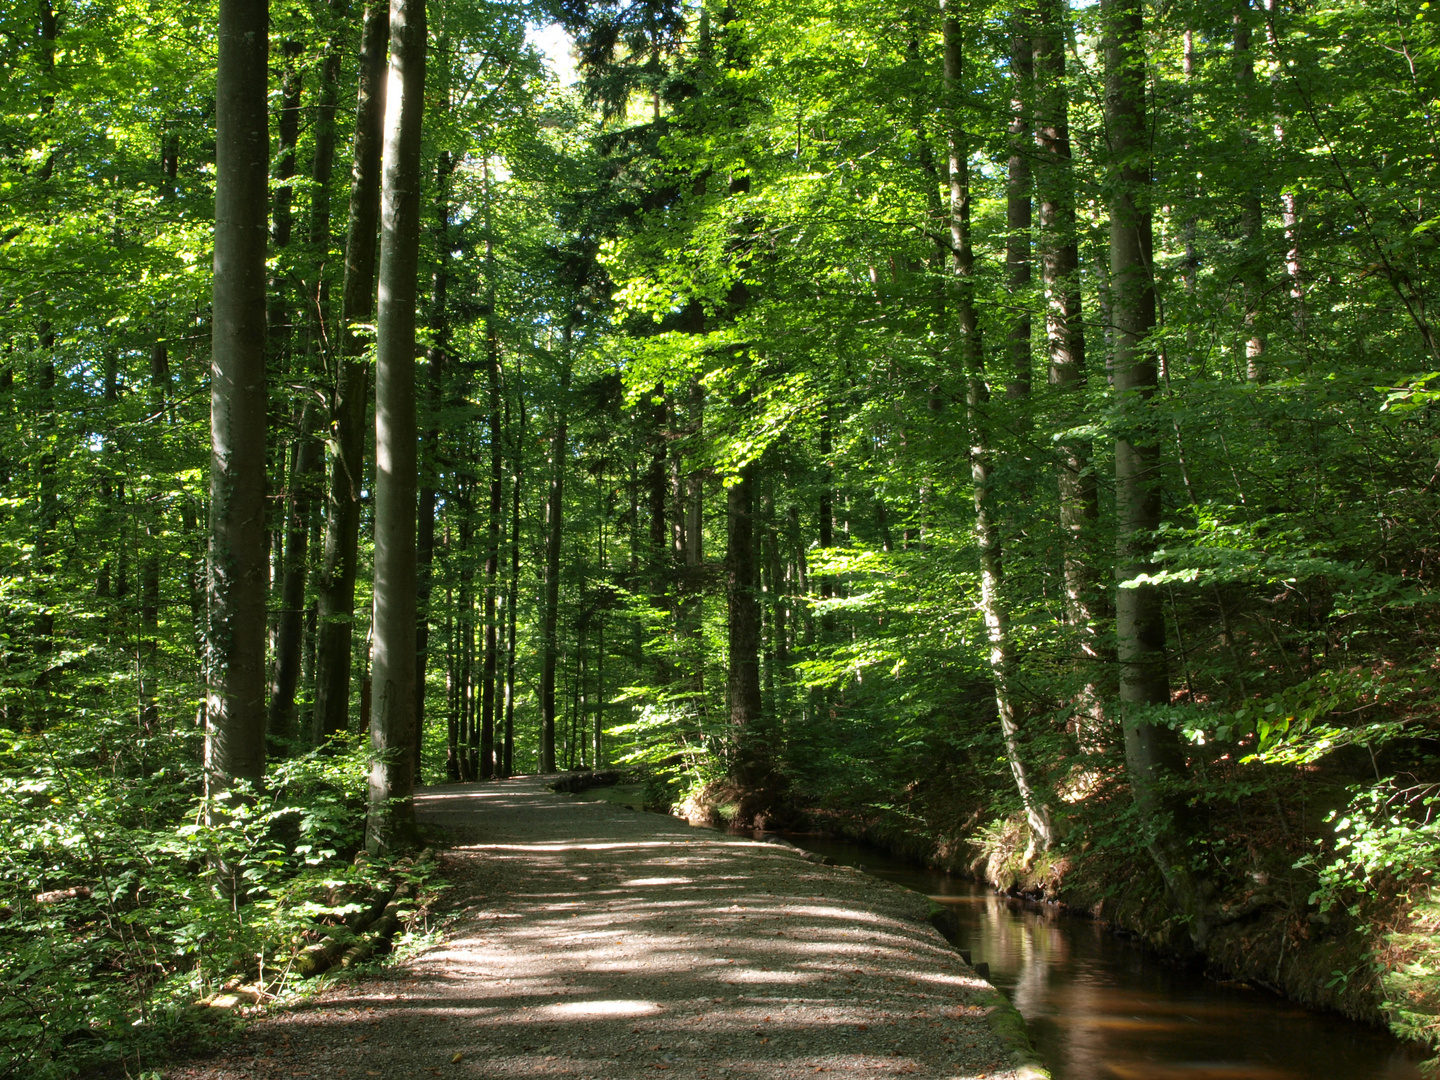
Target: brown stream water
(1100, 1008)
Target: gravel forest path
(592, 941)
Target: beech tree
(733, 472)
(235, 703)
(392, 717)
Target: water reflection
(1099, 1008)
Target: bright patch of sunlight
(552, 40)
(574, 1009)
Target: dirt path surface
(596, 942)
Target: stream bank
(1105, 978)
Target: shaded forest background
(1006, 433)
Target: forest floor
(591, 941)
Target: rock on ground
(591, 941)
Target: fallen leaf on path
(457, 1058)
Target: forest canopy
(1005, 433)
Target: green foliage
(126, 896)
(1387, 834)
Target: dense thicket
(1008, 425)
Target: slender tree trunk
(1289, 198)
(971, 357)
(658, 563)
(311, 480)
(305, 465)
(235, 739)
(751, 769)
(497, 479)
(465, 622)
(554, 523)
(1252, 257)
(826, 522)
(392, 718)
(1018, 204)
(1065, 345)
(336, 601)
(512, 601)
(437, 356)
(452, 683)
(150, 570)
(492, 546)
(280, 344)
(1152, 752)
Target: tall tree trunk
(826, 522)
(496, 506)
(1065, 345)
(751, 769)
(452, 681)
(1018, 204)
(550, 603)
(1289, 198)
(236, 566)
(235, 739)
(280, 342)
(150, 569)
(311, 480)
(336, 600)
(392, 717)
(1152, 752)
(1252, 257)
(465, 635)
(658, 563)
(437, 356)
(305, 464)
(688, 532)
(971, 357)
(512, 600)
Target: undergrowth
(113, 915)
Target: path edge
(1004, 1018)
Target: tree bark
(1252, 258)
(336, 585)
(550, 604)
(1018, 203)
(513, 599)
(496, 507)
(1152, 751)
(971, 357)
(437, 358)
(751, 769)
(1065, 346)
(235, 737)
(392, 717)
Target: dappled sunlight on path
(593, 941)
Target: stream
(1100, 1008)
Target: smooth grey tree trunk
(336, 581)
(512, 600)
(236, 586)
(392, 711)
(437, 358)
(971, 357)
(751, 769)
(554, 524)
(490, 664)
(1252, 255)
(1019, 206)
(1152, 751)
(1065, 347)
(307, 459)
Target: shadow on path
(594, 941)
